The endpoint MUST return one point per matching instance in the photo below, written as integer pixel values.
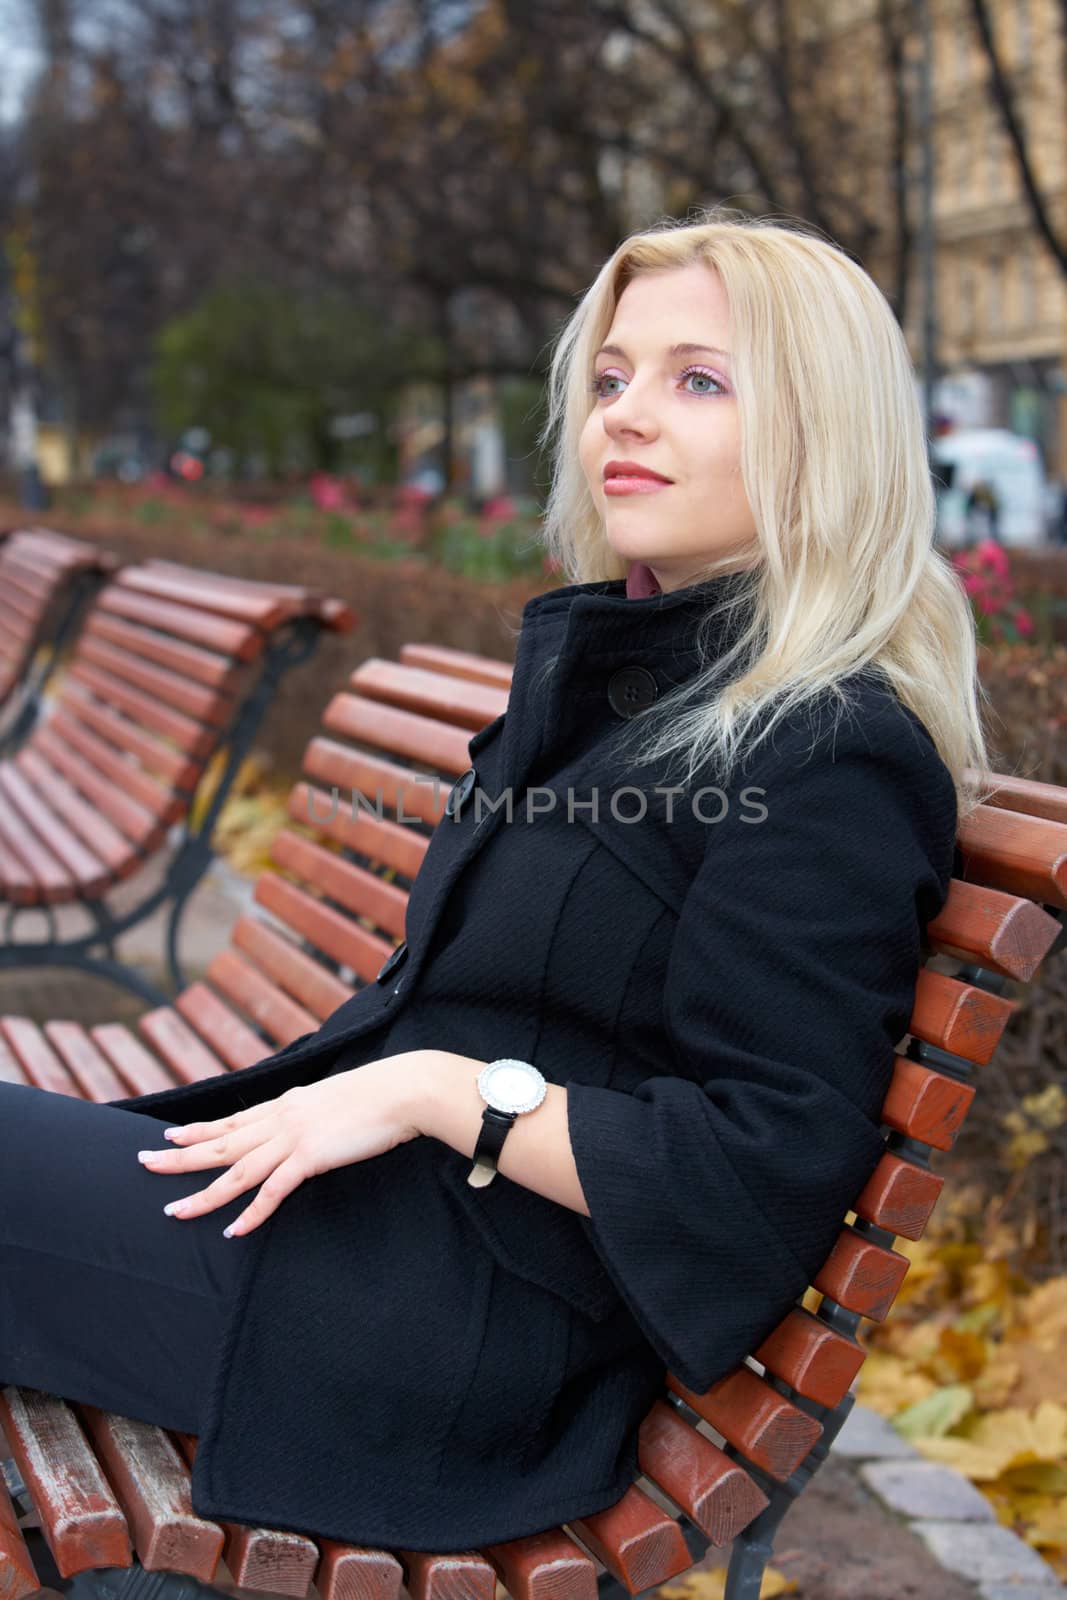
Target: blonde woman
(676, 907)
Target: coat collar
(575, 638)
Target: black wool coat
(417, 1363)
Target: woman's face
(675, 414)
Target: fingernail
(175, 1208)
(227, 1233)
(170, 1133)
(145, 1155)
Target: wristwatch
(508, 1088)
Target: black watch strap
(496, 1125)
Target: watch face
(512, 1085)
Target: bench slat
(294, 971)
(899, 1196)
(260, 1558)
(152, 1485)
(138, 1068)
(40, 1063)
(463, 1574)
(819, 1361)
(267, 1006)
(998, 931)
(861, 1275)
(713, 1490)
(208, 592)
(214, 671)
(142, 828)
(927, 1105)
(755, 1419)
(362, 893)
(458, 664)
(543, 1566)
(638, 1542)
(232, 1038)
(1009, 850)
(402, 733)
(206, 705)
(176, 1044)
(330, 931)
(91, 1071)
(105, 841)
(468, 705)
(355, 773)
(31, 809)
(237, 640)
(196, 740)
(81, 1520)
(17, 1575)
(179, 771)
(394, 844)
(32, 873)
(958, 1017)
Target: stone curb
(956, 1523)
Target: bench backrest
(45, 578)
(162, 671)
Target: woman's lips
(620, 486)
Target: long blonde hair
(844, 574)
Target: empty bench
(172, 667)
(46, 580)
(719, 1467)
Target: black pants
(103, 1298)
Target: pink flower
(992, 554)
(327, 493)
(1024, 621)
(500, 509)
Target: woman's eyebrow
(675, 350)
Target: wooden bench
(46, 580)
(172, 668)
(715, 1467)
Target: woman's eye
(601, 378)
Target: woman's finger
(213, 1152)
(246, 1172)
(191, 1132)
(282, 1181)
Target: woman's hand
(307, 1130)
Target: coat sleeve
(717, 1188)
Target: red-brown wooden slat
(543, 1566)
(179, 770)
(35, 1055)
(463, 1573)
(294, 971)
(156, 799)
(1037, 799)
(111, 847)
(393, 844)
(271, 1010)
(330, 931)
(192, 699)
(17, 1575)
(208, 592)
(138, 1068)
(638, 1542)
(468, 705)
(239, 640)
(22, 609)
(196, 740)
(261, 1558)
(998, 931)
(81, 1520)
(819, 1361)
(352, 1572)
(458, 664)
(143, 830)
(358, 891)
(39, 586)
(899, 1196)
(214, 671)
(755, 1419)
(17, 883)
(42, 871)
(10, 1070)
(92, 1073)
(1021, 854)
(385, 785)
(230, 1036)
(957, 1017)
(929, 1106)
(402, 733)
(862, 1276)
(298, 600)
(152, 1485)
(175, 1042)
(33, 809)
(714, 1491)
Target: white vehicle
(1011, 466)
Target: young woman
(682, 890)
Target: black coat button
(631, 689)
(398, 957)
(459, 791)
